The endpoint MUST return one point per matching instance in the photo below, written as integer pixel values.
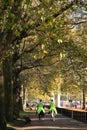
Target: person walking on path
(40, 110)
(52, 110)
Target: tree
(26, 21)
(7, 75)
(40, 50)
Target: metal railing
(75, 114)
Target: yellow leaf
(11, 2)
(54, 35)
(43, 46)
(45, 51)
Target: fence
(75, 114)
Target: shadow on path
(61, 122)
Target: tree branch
(23, 33)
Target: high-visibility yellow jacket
(53, 107)
(40, 108)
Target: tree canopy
(47, 38)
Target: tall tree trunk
(7, 73)
(56, 99)
(83, 107)
(16, 97)
(24, 95)
(2, 109)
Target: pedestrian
(52, 109)
(40, 109)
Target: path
(61, 122)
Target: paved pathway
(61, 123)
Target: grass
(23, 113)
(19, 122)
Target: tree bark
(83, 107)
(2, 109)
(17, 100)
(7, 73)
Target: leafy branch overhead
(44, 33)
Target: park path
(61, 123)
